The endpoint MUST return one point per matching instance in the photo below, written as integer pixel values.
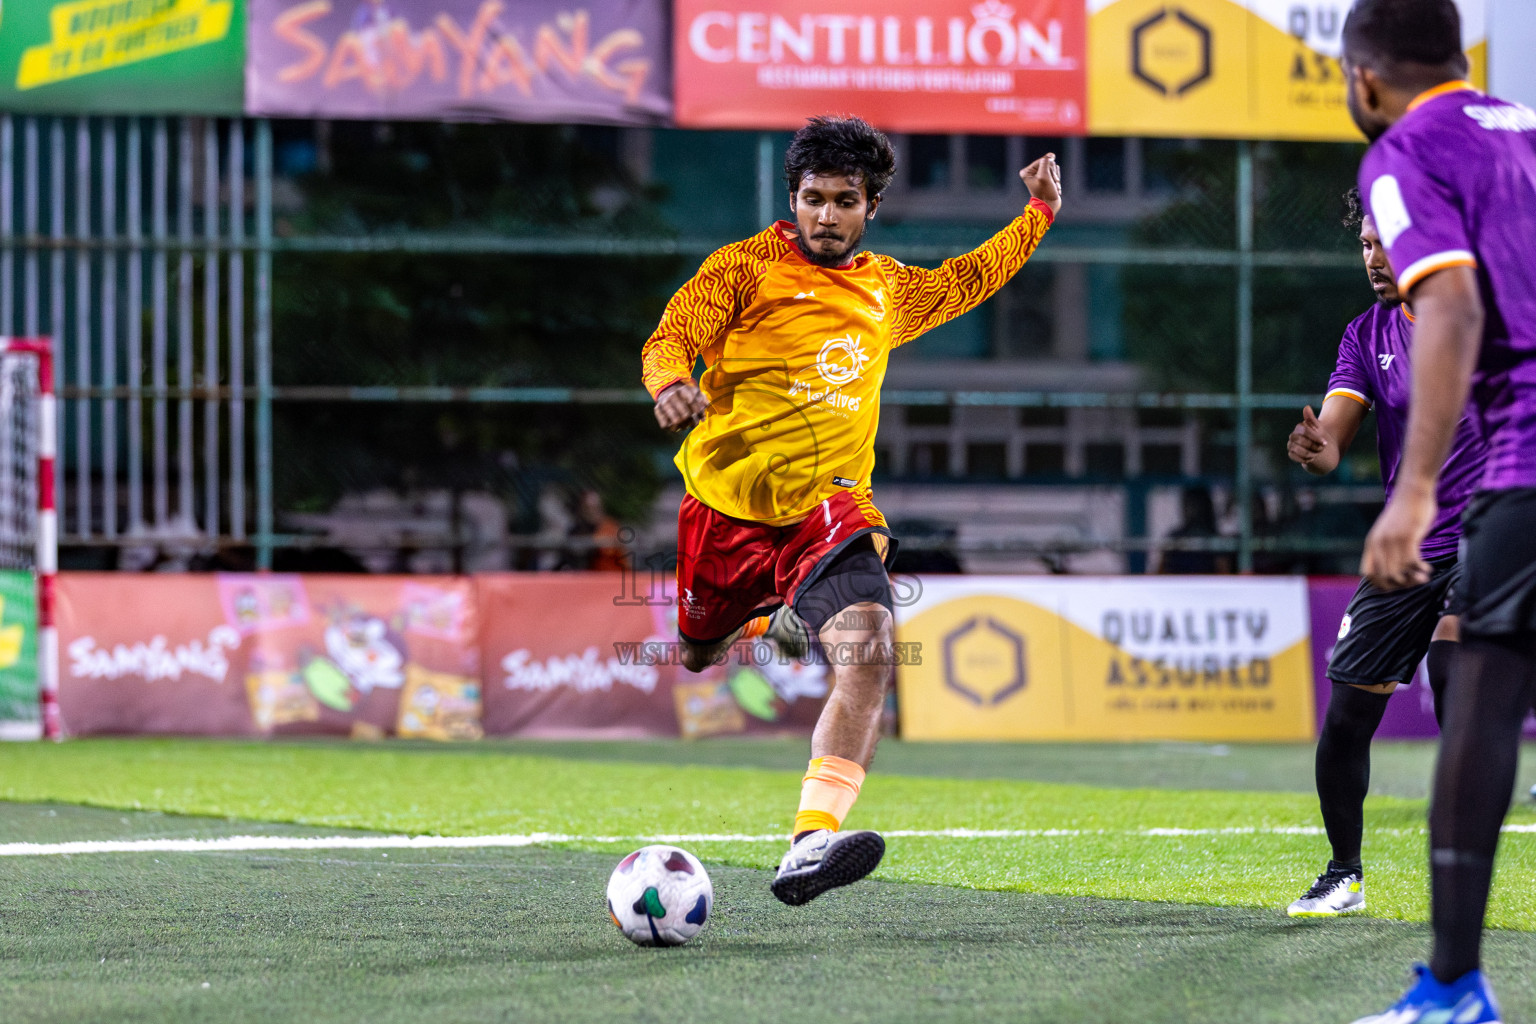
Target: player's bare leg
(858, 642)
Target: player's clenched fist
(1043, 179)
(681, 406)
(1311, 447)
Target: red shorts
(731, 570)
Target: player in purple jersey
(1450, 180)
(1385, 633)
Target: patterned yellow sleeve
(703, 308)
(925, 298)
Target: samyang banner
(1129, 658)
(905, 65)
(1258, 69)
(592, 655)
(122, 56)
(460, 60)
(269, 654)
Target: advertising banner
(474, 60)
(1411, 711)
(1200, 658)
(19, 715)
(585, 655)
(1263, 69)
(268, 654)
(122, 56)
(906, 65)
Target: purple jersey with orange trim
(1453, 183)
(1373, 369)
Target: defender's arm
(1319, 442)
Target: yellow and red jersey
(794, 356)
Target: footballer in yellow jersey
(794, 326)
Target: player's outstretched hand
(1043, 179)
(1392, 559)
(681, 406)
(1310, 446)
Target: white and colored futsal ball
(660, 896)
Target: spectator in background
(605, 554)
(1199, 523)
(555, 524)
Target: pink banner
(466, 60)
(558, 654)
(573, 655)
(269, 655)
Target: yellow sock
(830, 787)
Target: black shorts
(1498, 551)
(1385, 633)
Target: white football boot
(823, 860)
(786, 629)
(1337, 891)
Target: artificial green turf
(449, 791)
(521, 935)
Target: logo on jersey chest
(1385, 359)
(842, 360)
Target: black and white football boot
(823, 860)
(1337, 891)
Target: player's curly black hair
(841, 145)
(1354, 209)
(1385, 33)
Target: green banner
(18, 647)
(122, 56)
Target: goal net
(28, 541)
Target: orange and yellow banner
(1039, 658)
(1262, 69)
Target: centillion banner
(1011, 658)
(1263, 69)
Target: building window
(1045, 460)
(930, 459)
(1162, 460)
(928, 415)
(987, 461)
(1042, 416)
(986, 162)
(1106, 165)
(1105, 460)
(1036, 147)
(928, 161)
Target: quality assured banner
(1004, 658)
(519, 60)
(122, 56)
(906, 65)
(1261, 69)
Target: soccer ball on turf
(660, 896)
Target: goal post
(29, 539)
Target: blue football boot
(1467, 1000)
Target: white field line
(243, 844)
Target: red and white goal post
(29, 523)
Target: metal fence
(145, 247)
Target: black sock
(1489, 693)
(1441, 659)
(1344, 767)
